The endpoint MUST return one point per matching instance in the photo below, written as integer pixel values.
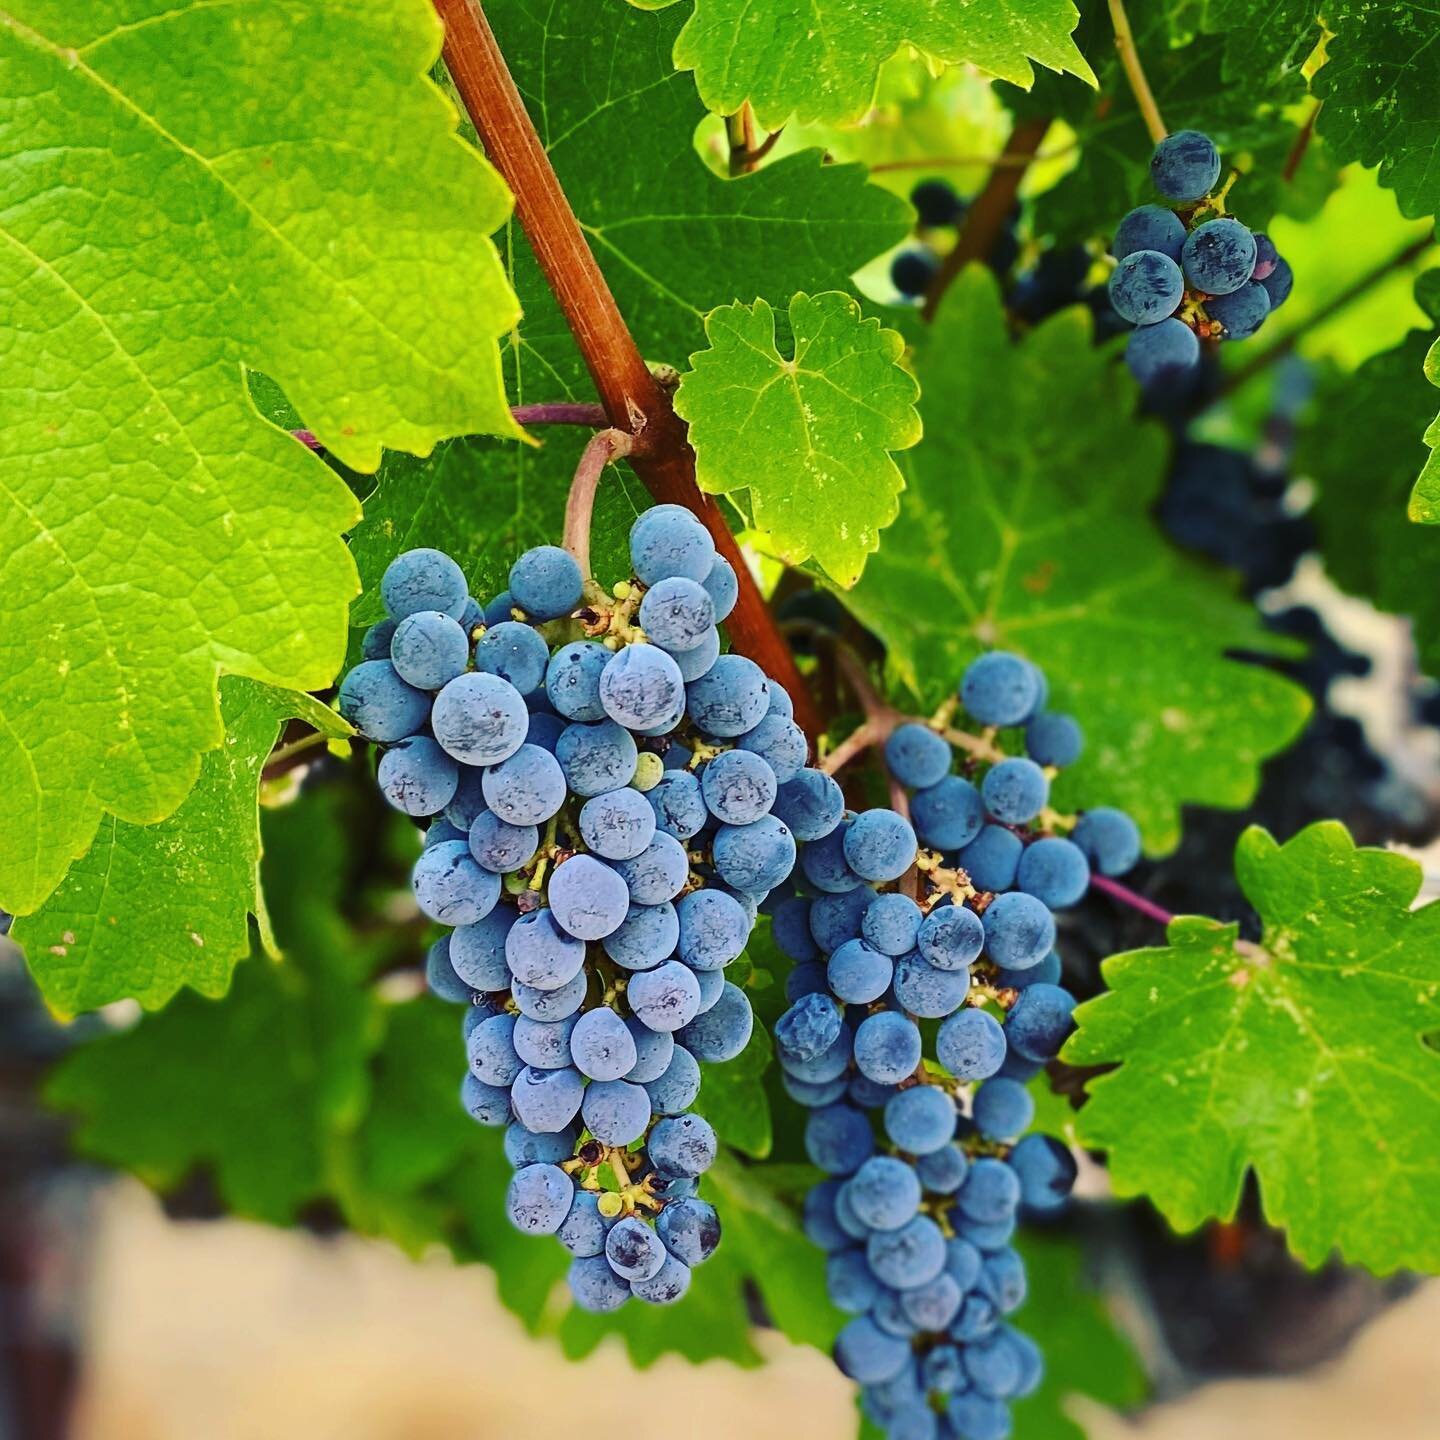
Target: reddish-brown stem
(633, 399)
(1137, 902)
(740, 132)
(560, 412)
(986, 217)
(1302, 144)
(601, 449)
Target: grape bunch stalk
(600, 784)
(1188, 271)
(945, 916)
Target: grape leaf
(1024, 525)
(152, 908)
(821, 60)
(1085, 1354)
(824, 418)
(194, 190)
(256, 1085)
(1308, 1058)
(1425, 497)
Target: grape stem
(1137, 902)
(603, 448)
(1302, 144)
(1135, 72)
(286, 757)
(560, 412)
(1004, 161)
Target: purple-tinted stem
(307, 437)
(560, 413)
(1126, 896)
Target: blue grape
(790, 926)
(485, 1104)
(942, 1171)
(641, 688)
(1032, 1364)
(441, 977)
(429, 649)
(678, 804)
(665, 998)
(478, 1009)
(601, 1045)
(1267, 257)
(891, 923)
(992, 858)
(963, 1261)
(1219, 256)
(423, 580)
(1162, 354)
(731, 697)
(859, 974)
(539, 1199)
(668, 540)
(838, 1139)
(376, 642)
(713, 929)
(682, 1145)
(542, 955)
(480, 719)
(738, 787)
(617, 825)
(1015, 790)
(947, 815)
(834, 919)
(818, 1217)
(1002, 1109)
(654, 1050)
(417, 777)
(933, 1305)
(500, 609)
(1046, 972)
(658, 873)
(1109, 838)
(596, 758)
(546, 1100)
(920, 1120)
(1019, 930)
(477, 951)
(647, 935)
(1146, 286)
(916, 756)
(1279, 283)
(500, 846)
(884, 1193)
(595, 1286)
(722, 586)
(811, 1094)
(450, 887)
(1185, 165)
(667, 1285)
(526, 788)
(1055, 871)
(516, 653)
(1002, 1278)
(926, 992)
(584, 1228)
(887, 1047)
(880, 845)
(1149, 227)
(712, 987)
(1046, 1171)
(808, 1028)
(550, 1004)
(951, 937)
(572, 680)
(545, 1044)
(634, 1250)
(615, 1111)
(546, 582)
(1000, 689)
(1040, 1021)
(936, 203)
(869, 1094)
(468, 801)
(990, 1193)
(722, 1031)
(912, 1255)
(812, 804)
(754, 857)
(994, 1366)
(440, 829)
(971, 1045)
(490, 1051)
(781, 743)
(1052, 739)
(379, 704)
(692, 664)
(1241, 313)
(987, 1237)
(911, 272)
(677, 613)
(942, 1370)
(848, 1281)
(525, 1147)
(472, 617)
(675, 1091)
(866, 1354)
(780, 701)
(588, 899)
(977, 1417)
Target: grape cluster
(927, 1159)
(939, 212)
(601, 786)
(1186, 270)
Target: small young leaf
(1425, 498)
(820, 61)
(1303, 1058)
(153, 908)
(808, 435)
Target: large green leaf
(1309, 1058)
(152, 908)
(824, 417)
(820, 60)
(1024, 525)
(192, 190)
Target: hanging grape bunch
(1192, 272)
(598, 781)
(939, 212)
(949, 921)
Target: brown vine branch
(1356, 290)
(987, 213)
(1135, 72)
(601, 449)
(633, 400)
(1302, 144)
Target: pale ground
(230, 1331)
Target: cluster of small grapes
(599, 782)
(939, 212)
(919, 1211)
(1181, 277)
